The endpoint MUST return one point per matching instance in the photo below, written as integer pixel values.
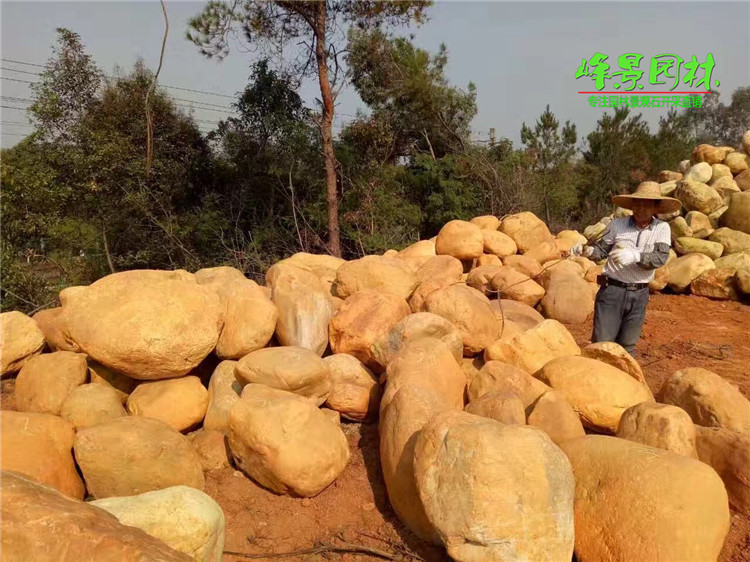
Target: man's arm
(660, 254)
(601, 248)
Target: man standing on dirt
(634, 247)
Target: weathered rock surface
(284, 442)
(599, 392)
(458, 478)
(180, 403)
(39, 446)
(618, 481)
(40, 524)
(708, 399)
(45, 381)
(20, 339)
(293, 369)
(132, 455)
(184, 518)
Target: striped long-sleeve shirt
(653, 242)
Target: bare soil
(680, 331)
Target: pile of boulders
(501, 438)
(711, 233)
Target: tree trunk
(326, 126)
(106, 250)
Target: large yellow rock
(614, 354)
(422, 325)
(556, 267)
(249, 320)
(544, 251)
(680, 228)
(20, 339)
(708, 154)
(427, 363)
(284, 442)
(423, 248)
(486, 222)
(523, 264)
(737, 216)
(743, 180)
(293, 369)
(496, 376)
(715, 284)
(487, 259)
(469, 311)
(362, 320)
(92, 404)
(708, 399)
(145, 325)
(304, 307)
(659, 425)
(387, 275)
(523, 315)
(180, 403)
(355, 391)
(440, 268)
(52, 324)
(513, 285)
(223, 391)
(425, 289)
(40, 524)
(401, 420)
(517, 509)
(39, 446)
(184, 518)
(134, 454)
(554, 415)
(726, 188)
(460, 239)
(686, 269)
(498, 244)
(734, 262)
(733, 240)
(699, 172)
(535, 347)
(737, 162)
(693, 245)
(618, 482)
(479, 278)
(322, 265)
(526, 230)
(505, 407)
(697, 196)
(669, 175)
(599, 392)
(568, 298)
(728, 453)
(211, 448)
(45, 381)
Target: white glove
(625, 256)
(581, 250)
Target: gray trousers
(619, 315)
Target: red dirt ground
(680, 331)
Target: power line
(21, 62)
(14, 134)
(20, 71)
(15, 99)
(15, 123)
(115, 77)
(11, 107)
(17, 80)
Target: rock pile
(144, 379)
(711, 233)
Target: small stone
(307, 502)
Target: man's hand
(581, 250)
(625, 256)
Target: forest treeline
(79, 199)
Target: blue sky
(520, 55)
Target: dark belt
(604, 281)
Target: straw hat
(648, 191)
